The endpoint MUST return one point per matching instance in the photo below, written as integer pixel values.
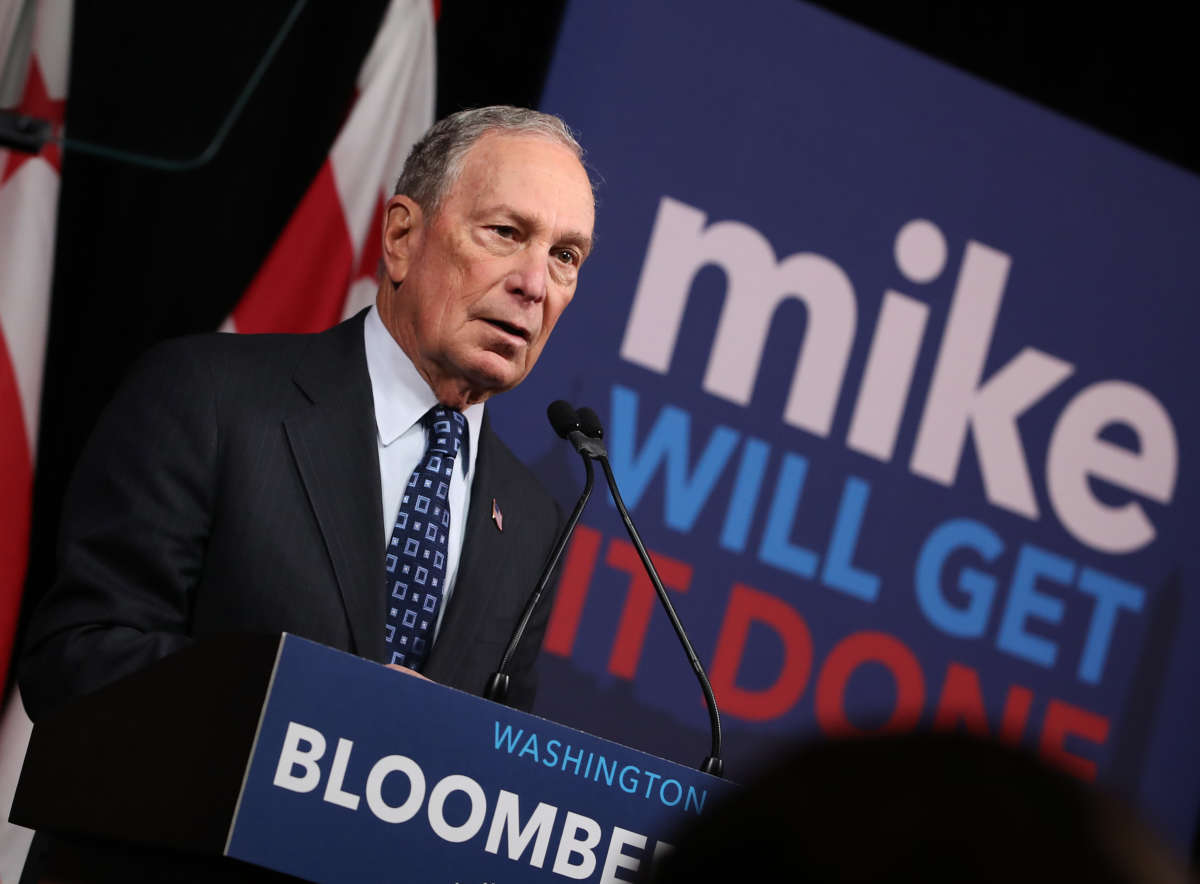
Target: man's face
(484, 280)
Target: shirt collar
(401, 395)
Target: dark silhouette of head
(917, 808)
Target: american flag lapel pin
(497, 516)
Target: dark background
(146, 254)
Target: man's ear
(402, 223)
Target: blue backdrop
(896, 371)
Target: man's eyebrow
(579, 240)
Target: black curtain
(1125, 69)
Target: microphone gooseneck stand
(566, 423)
(591, 427)
(584, 431)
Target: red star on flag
(36, 102)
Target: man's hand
(405, 670)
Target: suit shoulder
(241, 364)
(220, 353)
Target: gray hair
(435, 162)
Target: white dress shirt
(401, 399)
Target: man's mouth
(509, 328)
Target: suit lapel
(333, 439)
(479, 589)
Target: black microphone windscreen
(562, 417)
(589, 422)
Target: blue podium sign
(359, 773)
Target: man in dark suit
(250, 484)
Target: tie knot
(447, 430)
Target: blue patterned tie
(416, 555)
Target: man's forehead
(522, 170)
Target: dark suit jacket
(233, 485)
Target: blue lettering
(603, 770)
(551, 759)
(588, 770)
(632, 784)
(652, 778)
(840, 572)
(777, 548)
(1025, 601)
(695, 801)
(1111, 594)
(746, 488)
(530, 748)
(662, 792)
(669, 441)
(969, 622)
(567, 759)
(508, 738)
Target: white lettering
(1077, 452)
(888, 376)
(437, 801)
(680, 246)
(507, 819)
(400, 813)
(920, 250)
(958, 400)
(337, 775)
(292, 756)
(615, 859)
(570, 844)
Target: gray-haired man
(257, 483)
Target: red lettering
(849, 654)
(746, 607)
(1062, 721)
(961, 701)
(640, 601)
(1016, 713)
(572, 591)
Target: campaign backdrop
(896, 370)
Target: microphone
(563, 418)
(593, 430)
(570, 424)
(589, 422)
(566, 423)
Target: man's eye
(566, 256)
(504, 230)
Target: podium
(318, 764)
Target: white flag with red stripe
(322, 268)
(37, 37)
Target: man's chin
(492, 373)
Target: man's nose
(528, 277)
